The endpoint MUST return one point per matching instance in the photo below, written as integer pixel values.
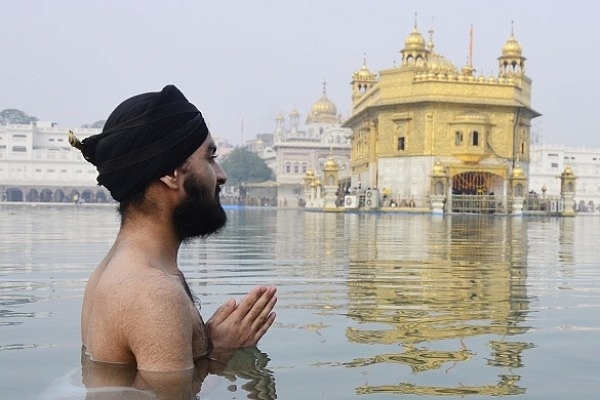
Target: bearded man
(157, 158)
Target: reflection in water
(245, 370)
(384, 304)
(506, 386)
(457, 281)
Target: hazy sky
(72, 62)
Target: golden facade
(427, 111)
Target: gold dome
(518, 172)
(512, 48)
(568, 171)
(438, 63)
(330, 164)
(323, 110)
(438, 168)
(324, 106)
(310, 172)
(294, 113)
(414, 41)
(279, 117)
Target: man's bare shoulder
(158, 323)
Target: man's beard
(199, 214)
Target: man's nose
(221, 175)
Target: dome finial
(365, 60)
(324, 86)
(512, 27)
(430, 44)
(416, 25)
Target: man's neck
(154, 236)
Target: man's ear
(173, 179)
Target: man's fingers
(223, 312)
(261, 306)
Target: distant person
(157, 158)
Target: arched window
(439, 188)
(458, 138)
(401, 143)
(474, 138)
(519, 190)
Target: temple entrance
(475, 192)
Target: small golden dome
(310, 172)
(330, 164)
(438, 168)
(518, 172)
(364, 74)
(294, 113)
(512, 48)
(414, 41)
(279, 117)
(568, 171)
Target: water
(373, 306)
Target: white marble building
(38, 164)
(548, 161)
(296, 151)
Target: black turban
(144, 138)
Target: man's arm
(159, 328)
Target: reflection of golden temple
(466, 284)
(506, 386)
(418, 359)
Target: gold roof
(414, 41)
(324, 106)
(438, 63)
(330, 164)
(568, 171)
(512, 48)
(323, 110)
(364, 73)
(438, 168)
(518, 172)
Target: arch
(59, 196)
(101, 197)
(87, 196)
(33, 196)
(14, 194)
(46, 196)
(519, 190)
(439, 187)
(475, 182)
